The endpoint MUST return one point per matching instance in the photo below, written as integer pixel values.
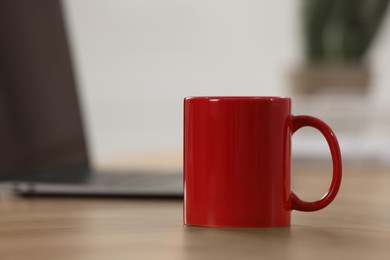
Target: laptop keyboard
(138, 184)
(144, 179)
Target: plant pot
(331, 78)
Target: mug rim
(217, 98)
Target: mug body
(237, 153)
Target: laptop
(43, 149)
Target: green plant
(341, 30)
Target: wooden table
(355, 226)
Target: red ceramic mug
(237, 160)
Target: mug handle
(298, 204)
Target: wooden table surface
(355, 226)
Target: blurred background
(136, 60)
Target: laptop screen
(40, 121)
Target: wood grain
(356, 225)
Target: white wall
(137, 59)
